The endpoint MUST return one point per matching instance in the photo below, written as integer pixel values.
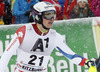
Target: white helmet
(43, 6)
(40, 10)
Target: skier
(35, 42)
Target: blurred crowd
(20, 11)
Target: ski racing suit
(34, 48)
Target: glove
(27, 13)
(93, 62)
(90, 63)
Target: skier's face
(48, 23)
(48, 18)
(82, 4)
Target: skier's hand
(91, 62)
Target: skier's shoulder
(55, 32)
(52, 31)
(21, 32)
(24, 27)
(21, 29)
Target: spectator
(58, 8)
(81, 10)
(13, 17)
(96, 7)
(62, 2)
(40, 0)
(2, 7)
(22, 9)
(1, 22)
(12, 2)
(9, 1)
(90, 4)
(68, 6)
(5, 12)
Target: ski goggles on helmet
(49, 14)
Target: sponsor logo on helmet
(48, 7)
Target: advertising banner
(78, 34)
